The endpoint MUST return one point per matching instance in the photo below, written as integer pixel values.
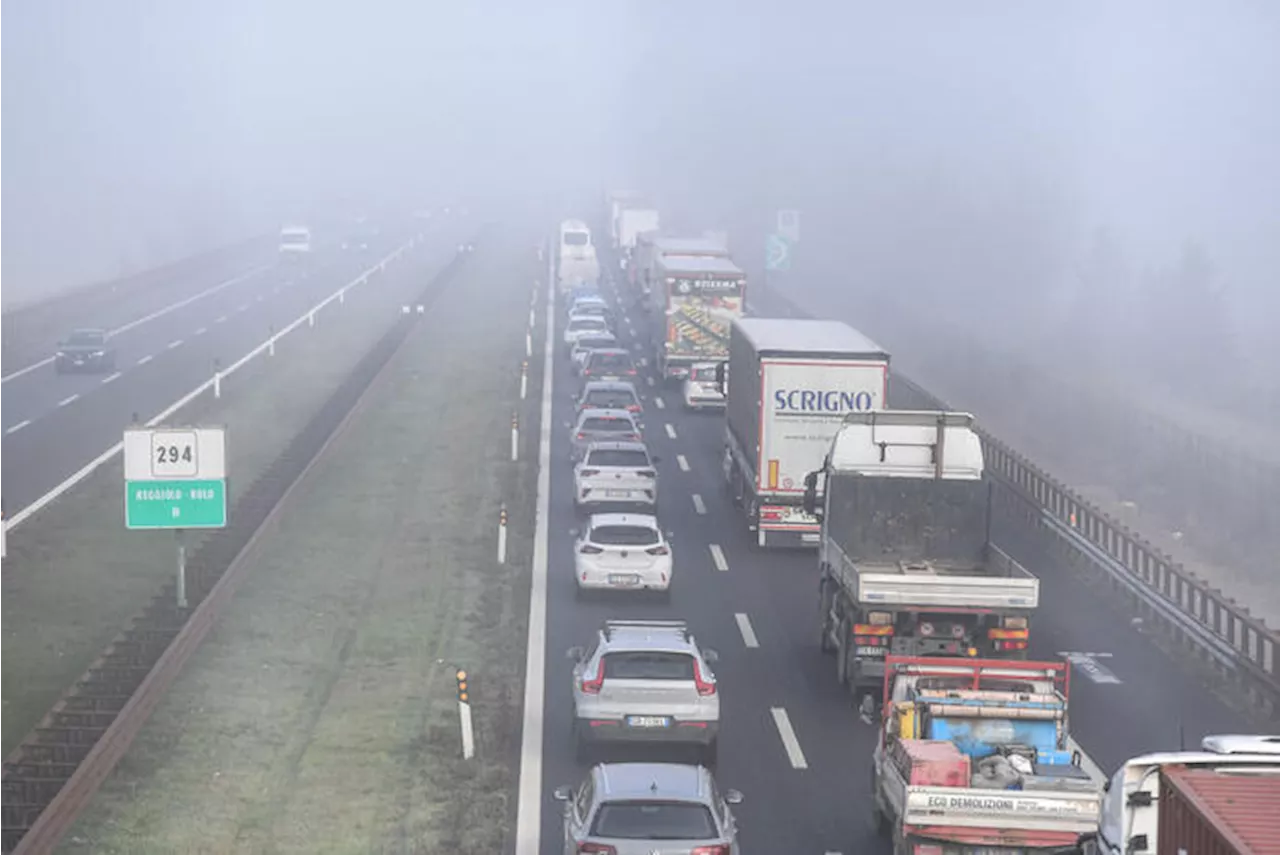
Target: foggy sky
(923, 137)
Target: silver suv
(648, 808)
(645, 681)
(615, 473)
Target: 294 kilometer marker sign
(175, 478)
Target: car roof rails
(670, 625)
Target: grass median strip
(321, 714)
(74, 575)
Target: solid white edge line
(717, 556)
(789, 741)
(748, 631)
(88, 469)
(32, 367)
(699, 505)
(671, 431)
(682, 462)
(529, 789)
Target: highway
(55, 424)
(791, 739)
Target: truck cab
(906, 560)
(972, 757)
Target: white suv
(615, 473)
(645, 681)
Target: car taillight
(646, 473)
(581, 435)
(718, 849)
(658, 550)
(590, 549)
(634, 408)
(631, 436)
(587, 473)
(591, 683)
(704, 687)
(599, 849)
(631, 371)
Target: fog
(1052, 171)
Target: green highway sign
(175, 478)
(175, 504)
(777, 253)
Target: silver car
(581, 327)
(595, 425)
(615, 473)
(649, 809)
(611, 395)
(608, 363)
(645, 681)
(586, 344)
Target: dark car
(608, 363)
(85, 350)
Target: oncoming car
(596, 425)
(615, 473)
(648, 808)
(645, 682)
(84, 350)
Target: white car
(582, 327)
(622, 552)
(588, 301)
(615, 473)
(700, 389)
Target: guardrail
(1202, 620)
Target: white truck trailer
(790, 384)
(631, 223)
(906, 559)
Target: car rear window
(607, 425)
(654, 820)
(703, 374)
(595, 343)
(611, 360)
(588, 323)
(624, 535)
(609, 399)
(648, 665)
(86, 339)
(617, 457)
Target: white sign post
(175, 479)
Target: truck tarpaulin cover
(910, 519)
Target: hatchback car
(701, 390)
(590, 303)
(596, 425)
(581, 327)
(622, 552)
(648, 808)
(645, 681)
(587, 344)
(608, 363)
(615, 474)
(610, 395)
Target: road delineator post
(181, 584)
(271, 340)
(311, 318)
(464, 714)
(524, 379)
(217, 378)
(528, 344)
(515, 436)
(502, 534)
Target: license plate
(809, 538)
(647, 721)
(868, 651)
(617, 494)
(624, 579)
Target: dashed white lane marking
(144, 360)
(19, 426)
(783, 722)
(69, 399)
(650, 379)
(202, 331)
(221, 319)
(682, 462)
(698, 504)
(242, 307)
(717, 556)
(659, 403)
(748, 633)
(110, 378)
(177, 342)
(671, 431)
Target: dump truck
(694, 300)
(789, 383)
(1220, 800)
(973, 757)
(907, 565)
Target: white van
(576, 256)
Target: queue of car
(637, 682)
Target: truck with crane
(907, 565)
(972, 757)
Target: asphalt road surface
(55, 424)
(807, 790)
